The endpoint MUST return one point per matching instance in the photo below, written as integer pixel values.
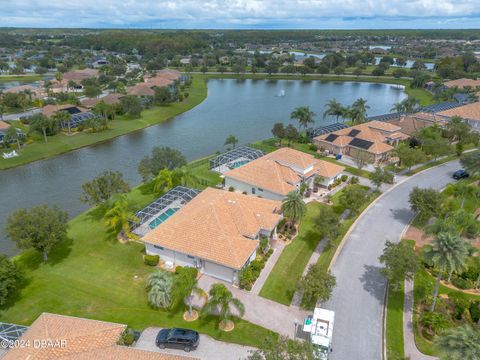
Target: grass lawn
(281, 283)
(94, 276)
(22, 78)
(394, 329)
(61, 143)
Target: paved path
(278, 249)
(261, 311)
(208, 349)
(297, 296)
(411, 350)
(358, 299)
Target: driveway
(358, 298)
(208, 349)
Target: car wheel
(161, 346)
(187, 348)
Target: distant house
(74, 338)
(409, 124)
(110, 99)
(217, 232)
(374, 138)
(76, 76)
(163, 78)
(274, 175)
(470, 113)
(36, 92)
(462, 83)
(4, 126)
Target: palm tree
(231, 140)
(62, 118)
(40, 123)
(463, 190)
(471, 163)
(159, 285)
(119, 217)
(449, 252)
(303, 115)
(359, 111)
(12, 135)
(407, 106)
(163, 181)
(293, 206)
(460, 343)
(187, 176)
(334, 108)
(220, 303)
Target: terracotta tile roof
(79, 75)
(83, 339)
(22, 88)
(218, 226)
(469, 111)
(4, 125)
(113, 98)
(461, 83)
(379, 148)
(275, 171)
(381, 125)
(49, 110)
(162, 78)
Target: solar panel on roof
(354, 132)
(325, 129)
(72, 110)
(331, 137)
(360, 143)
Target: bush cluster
(151, 260)
(251, 273)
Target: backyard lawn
(61, 143)
(92, 275)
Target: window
(253, 190)
(260, 189)
(159, 247)
(191, 257)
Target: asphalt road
(358, 298)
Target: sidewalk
(278, 249)
(411, 350)
(260, 311)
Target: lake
(245, 108)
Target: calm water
(245, 108)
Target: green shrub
(269, 253)
(354, 180)
(344, 178)
(434, 322)
(246, 278)
(188, 271)
(475, 310)
(263, 244)
(312, 147)
(461, 303)
(127, 338)
(151, 260)
(231, 189)
(462, 283)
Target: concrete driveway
(208, 349)
(358, 298)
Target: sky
(242, 14)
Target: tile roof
(113, 98)
(4, 125)
(79, 75)
(381, 125)
(162, 78)
(461, 83)
(218, 226)
(50, 110)
(469, 111)
(274, 171)
(83, 339)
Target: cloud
(230, 13)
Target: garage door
(218, 271)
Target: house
(4, 126)
(274, 175)
(163, 78)
(374, 138)
(469, 112)
(78, 114)
(217, 232)
(110, 99)
(53, 336)
(409, 124)
(462, 83)
(76, 76)
(36, 92)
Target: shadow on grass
(16, 294)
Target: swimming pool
(237, 164)
(162, 217)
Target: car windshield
(170, 333)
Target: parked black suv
(460, 174)
(178, 339)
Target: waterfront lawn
(282, 280)
(94, 276)
(62, 142)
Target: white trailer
(320, 327)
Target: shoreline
(61, 143)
